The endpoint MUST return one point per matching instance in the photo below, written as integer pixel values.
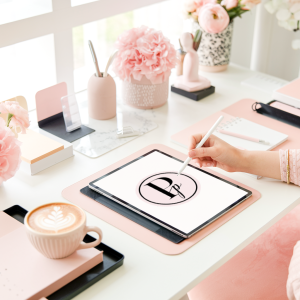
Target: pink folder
(26, 273)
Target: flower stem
(9, 119)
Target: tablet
(184, 204)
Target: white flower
(283, 14)
(289, 24)
(297, 15)
(277, 3)
(296, 44)
(269, 6)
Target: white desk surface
(146, 273)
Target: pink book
(26, 274)
(289, 94)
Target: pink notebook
(289, 94)
(27, 274)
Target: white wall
(266, 48)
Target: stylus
(187, 161)
(98, 73)
(244, 137)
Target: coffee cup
(57, 229)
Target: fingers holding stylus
(202, 152)
(196, 139)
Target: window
(13, 10)
(104, 33)
(26, 68)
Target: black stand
(198, 95)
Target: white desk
(146, 273)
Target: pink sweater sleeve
(294, 163)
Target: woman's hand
(215, 153)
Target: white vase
(143, 94)
(214, 50)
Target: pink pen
(241, 136)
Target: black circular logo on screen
(167, 188)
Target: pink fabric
(294, 159)
(260, 270)
(293, 283)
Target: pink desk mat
(241, 109)
(27, 274)
(72, 194)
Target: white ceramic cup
(60, 245)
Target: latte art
(55, 218)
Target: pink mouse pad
(72, 194)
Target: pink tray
(72, 194)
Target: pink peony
(10, 153)
(200, 3)
(213, 18)
(144, 51)
(17, 115)
(229, 4)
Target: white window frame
(60, 23)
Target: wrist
(245, 158)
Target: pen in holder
(101, 97)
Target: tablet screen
(186, 203)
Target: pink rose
(201, 3)
(229, 4)
(17, 115)
(190, 6)
(213, 18)
(249, 4)
(10, 153)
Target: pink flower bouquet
(144, 52)
(215, 15)
(10, 151)
(17, 116)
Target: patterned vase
(143, 94)
(214, 50)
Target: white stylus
(187, 161)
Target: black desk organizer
(275, 113)
(198, 95)
(56, 126)
(133, 216)
(112, 260)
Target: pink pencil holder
(101, 97)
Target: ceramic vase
(143, 94)
(214, 50)
(102, 101)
